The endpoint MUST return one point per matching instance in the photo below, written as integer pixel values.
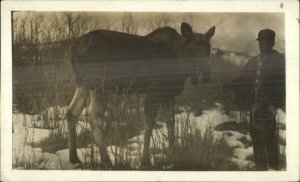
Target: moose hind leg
(151, 108)
(97, 110)
(73, 113)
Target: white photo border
(289, 8)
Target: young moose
(156, 64)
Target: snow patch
(233, 135)
(282, 135)
(235, 144)
(206, 122)
(243, 153)
(281, 117)
(243, 164)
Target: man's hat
(266, 35)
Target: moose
(156, 65)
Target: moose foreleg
(97, 110)
(151, 108)
(167, 107)
(73, 113)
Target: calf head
(198, 48)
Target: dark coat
(157, 63)
(264, 83)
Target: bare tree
(129, 24)
(101, 22)
(69, 19)
(157, 21)
(59, 32)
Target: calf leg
(151, 108)
(97, 110)
(73, 113)
(167, 107)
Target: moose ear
(210, 32)
(187, 32)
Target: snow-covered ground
(24, 134)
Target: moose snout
(202, 74)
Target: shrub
(53, 143)
(23, 155)
(200, 151)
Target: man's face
(265, 45)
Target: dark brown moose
(156, 64)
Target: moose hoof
(107, 165)
(75, 161)
(145, 163)
(71, 166)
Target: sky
(234, 31)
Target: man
(261, 90)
